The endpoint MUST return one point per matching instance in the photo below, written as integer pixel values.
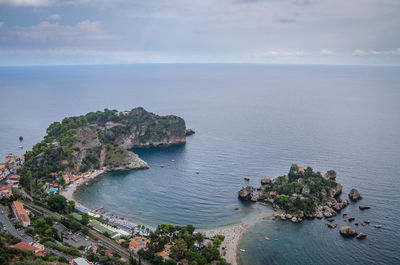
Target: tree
(57, 203)
(85, 219)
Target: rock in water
(189, 132)
(329, 212)
(343, 201)
(363, 207)
(246, 193)
(361, 236)
(333, 226)
(330, 174)
(347, 231)
(266, 181)
(246, 178)
(354, 195)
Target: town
(55, 228)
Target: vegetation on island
(302, 192)
(98, 139)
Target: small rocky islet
(303, 193)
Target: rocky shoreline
(302, 194)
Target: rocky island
(302, 193)
(101, 140)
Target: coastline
(69, 193)
(232, 233)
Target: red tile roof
(24, 246)
(14, 177)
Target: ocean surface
(250, 120)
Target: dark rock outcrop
(347, 231)
(266, 181)
(354, 195)
(361, 236)
(247, 194)
(333, 226)
(189, 132)
(330, 174)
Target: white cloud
(22, 3)
(47, 32)
(54, 17)
(279, 53)
(325, 52)
(359, 52)
(1, 23)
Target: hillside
(101, 140)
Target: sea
(250, 121)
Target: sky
(55, 32)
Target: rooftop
(24, 246)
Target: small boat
(246, 178)
(20, 147)
(267, 238)
(378, 226)
(243, 250)
(21, 138)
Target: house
(81, 261)
(108, 253)
(14, 181)
(300, 169)
(165, 252)
(21, 213)
(272, 194)
(5, 190)
(138, 243)
(37, 251)
(74, 178)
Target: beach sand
(69, 193)
(232, 234)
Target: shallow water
(250, 120)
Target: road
(10, 227)
(20, 234)
(107, 242)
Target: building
(81, 261)
(300, 169)
(14, 181)
(5, 190)
(165, 252)
(20, 213)
(272, 194)
(138, 243)
(38, 251)
(14, 161)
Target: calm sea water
(250, 120)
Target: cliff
(101, 140)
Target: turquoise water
(250, 120)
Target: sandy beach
(69, 193)
(231, 243)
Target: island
(302, 193)
(101, 140)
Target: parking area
(74, 239)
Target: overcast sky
(163, 31)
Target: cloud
(279, 53)
(54, 32)
(359, 52)
(26, 3)
(325, 52)
(54, 17)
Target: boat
(21, 138)
(243, 250)
(378, 226)
(20, 147)
(267, 238)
